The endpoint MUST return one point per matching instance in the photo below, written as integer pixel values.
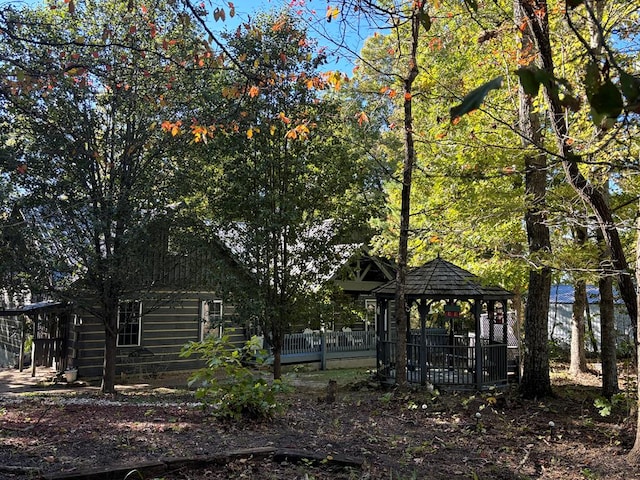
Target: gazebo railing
(443, 364)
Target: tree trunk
(608, 356)
(578, 363)
(537, 11)
(634, 454)
(110, 357)
(608, 335)
(277, 339)
(536, 381)
(277, 363)
(590, 332)
(405, 211)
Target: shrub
(226, 386)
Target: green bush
(226, 386)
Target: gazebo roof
(442, 280)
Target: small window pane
(129, 324)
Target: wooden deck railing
(320, 346)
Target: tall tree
(286, 181)
(606, 103)
(87, 97)
(535, 379)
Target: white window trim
(139, 325)
(205, 314)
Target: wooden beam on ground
(294, 456)
(161, 466)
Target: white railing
(354, 341)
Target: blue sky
(313, 12)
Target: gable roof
(441, 280)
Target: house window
(211, 320)
(370, 314)
(129, 315)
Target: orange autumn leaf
(300, 131)
(200, 133)
(278, 25)
(407, 96)
(284, 118)
(292, 134)
(362, 118)
(173, 128)
(253, 91)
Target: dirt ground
(416, 435)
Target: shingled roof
(442, 280)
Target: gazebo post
(491, 315)
(505, 324)
(379, 333)
(34, 344)
(423, 310)
(476, 309)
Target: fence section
(322, 346)
(444, 361)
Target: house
(185, 299)
(155, 323)
(360, 274)
(561, 311)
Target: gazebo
(457, 335)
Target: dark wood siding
(164, 331)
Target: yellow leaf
(332, 13)
(250, 133)
(272, 129)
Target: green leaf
(532, 77)
(592, 79)
(630, 86)
(473, 100)
(472, 4)
(425, 20)
(607, 100)
(529, 80)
